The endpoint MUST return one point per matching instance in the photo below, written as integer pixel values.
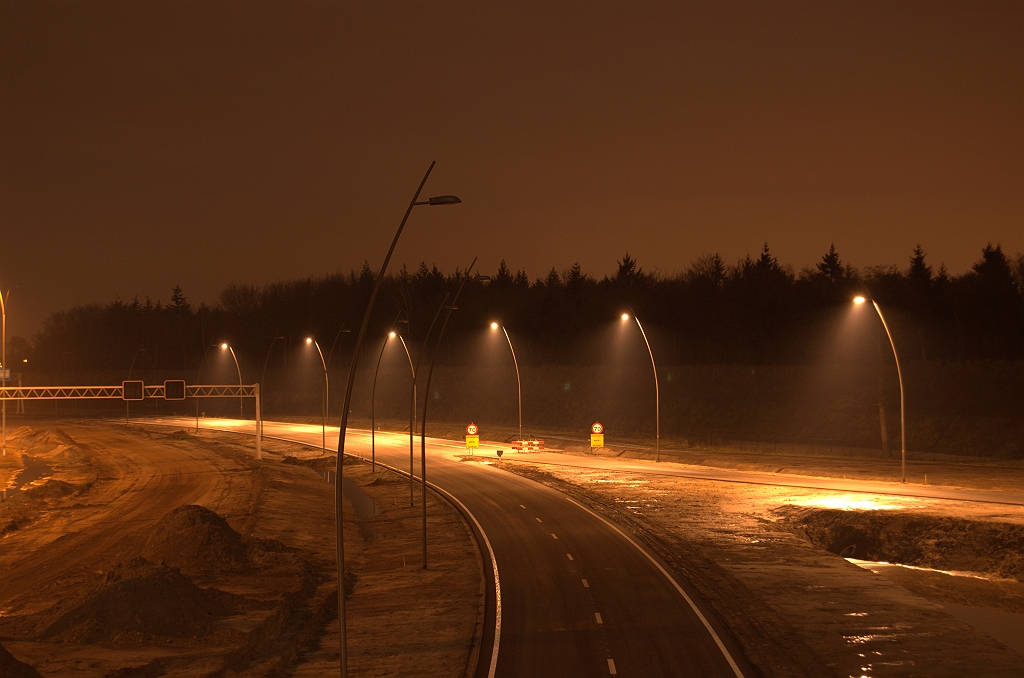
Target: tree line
(756, 311)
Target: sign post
(472, 438)
(596, 436)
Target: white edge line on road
(693, 606)
(487, 542)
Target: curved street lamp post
(412, 410)
(519, 383)
(657, 394)
(426, 401)
(439, 200)
(899, 373)
(327, 394)
(223, 346)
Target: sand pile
(139, 601)
(910, 538)
(12, 668)
(196, 540)
(51, 489)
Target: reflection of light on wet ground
(877, 565)
(849, 502)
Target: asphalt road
(578, 597)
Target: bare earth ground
(103, 577)
(765, 559)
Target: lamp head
(224, 346)
(444, 200)
(392, 334)
(309, 340)
(494, 326)
(859, 300)
(625, 317)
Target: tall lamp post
(426, 401)
(412, 411)
(657, 395)
(223, 346)
(340, 537)
(373, 407)
(327, 394)
(899, 373)
(519, 383)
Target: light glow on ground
(849, 502)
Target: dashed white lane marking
(539, 520)
(554, 536)
(569, 556)
(611, 667)
(700, 615)
(521, 506)
(586, 584)
(597, 616)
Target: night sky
(150, 144)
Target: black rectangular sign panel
(174, 389)
(133, 390)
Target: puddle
(876, 565)
(34, 470)
(1006, 627)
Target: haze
(147, 145)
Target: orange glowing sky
(144, 145)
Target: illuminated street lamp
(327, 394)
(519, 383)
(339, 524)
(858, 300)
(657, 396)
(412, 410)
(225, 346)
(373, 406)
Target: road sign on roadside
(472, 430)
(133, 390)
(597, 427)
(472, 442)
(174, 389)
(597, 440)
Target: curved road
(578, 597)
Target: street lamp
(327, 394)
(223, 346)
(858, 300)
(412, 411)
(519, 383)
(373, 407)
(340, 537)
(426, 400)
(657, 395)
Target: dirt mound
(139, 601)
(12, 668)
(51, 489)
(918, 539)
(180, 434)
(34, 441)
(196, 540)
